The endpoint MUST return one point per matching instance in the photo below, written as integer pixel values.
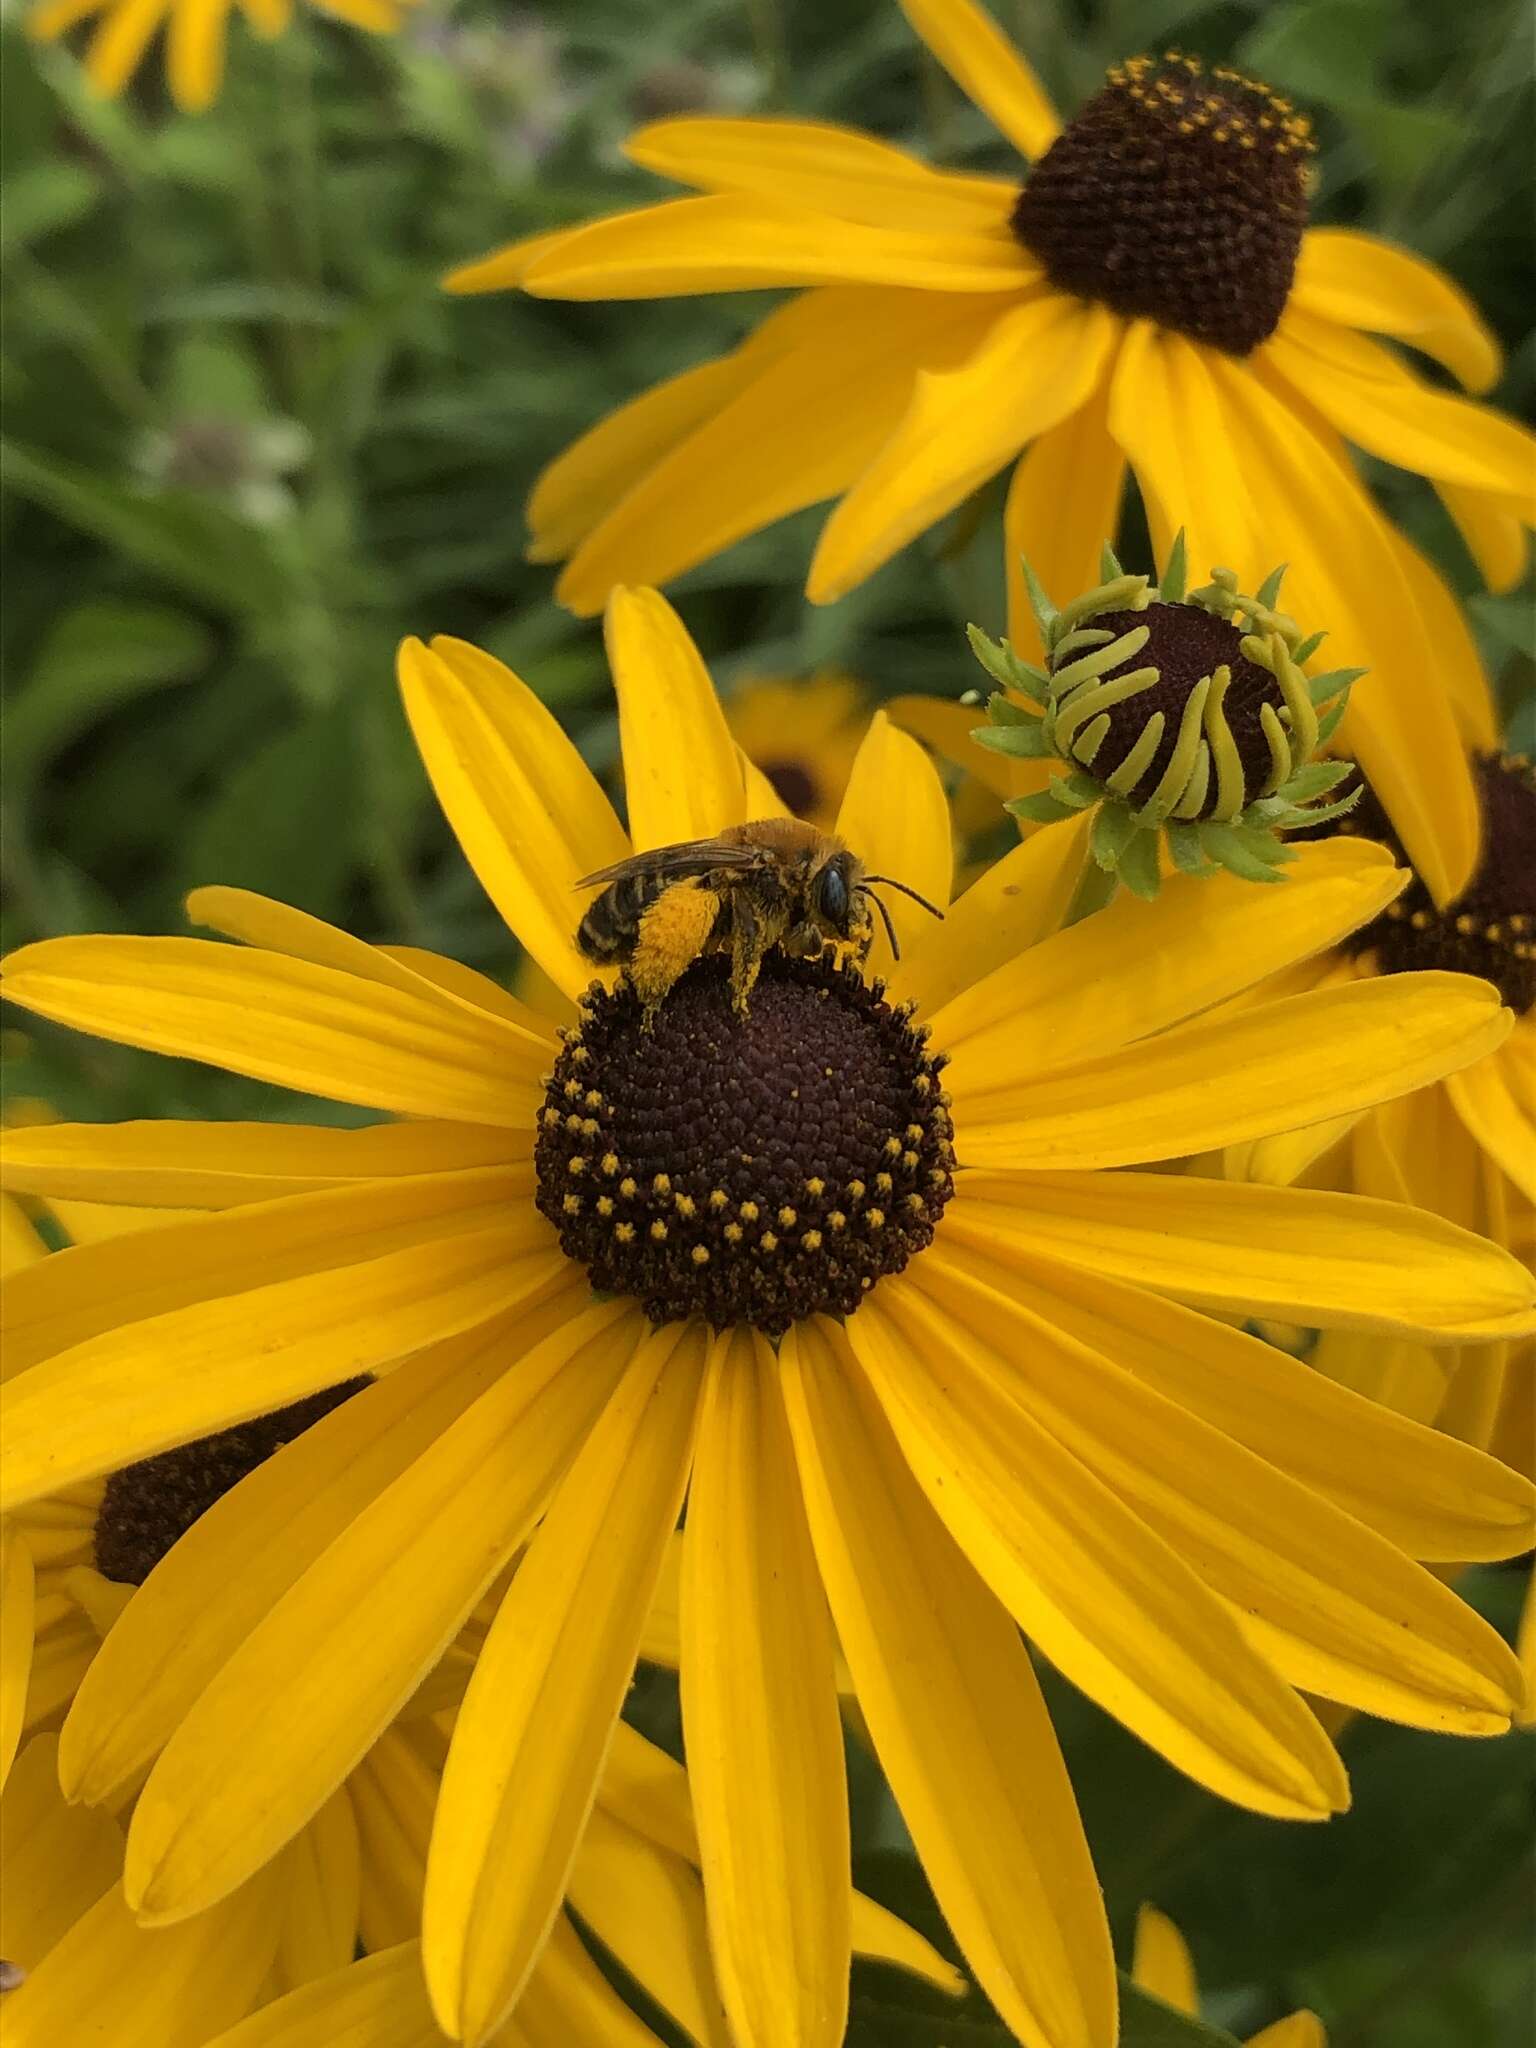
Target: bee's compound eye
(832, 894)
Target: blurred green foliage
(249, 445)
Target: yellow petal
(1161, 1962)
(581, 486)
(1377, 403)
(1297, 2030)
(317, 1680)
(895, 818)
(131, 1392)
(1037, 365)
(1359, 280)
(393, 1793)
(194, 53)
(1254, 482)
(760, 1719)
(988, 69)
(143, 1988)
(56, 1861)
(682, 777)
(101, 1286)
(1300, 1254)
(16, 1613)
(377, 2002)
(824, 168)
(220, 1165)
(1494, 1101)
(379, 17)
(946, 726)
(526, 808)
(1011, 907)
(646, 1905)
(1494, 533)
(1229, 1078)
(1063, 505)
(504, 268)
(735, 242)
(1426, 1493)
(313, 1028)
(830, 375)
(540, 1709)
(969, 1751)
(1447, 629)
(1332, 1606)
(51, 18)
(1410, 1379)
(1108, 1600)
(1135, 968)
(322, 1874)
(120, 42)
(568, 1999)
(878, 1933)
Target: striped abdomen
(612, 923)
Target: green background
(249, 445)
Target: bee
(776, 882)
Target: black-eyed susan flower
(195, 32)
(354, 1876)
(1183, 719)
(1149, 295)
(1161, 1963)
(1024, 1419)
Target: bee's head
(836, 891)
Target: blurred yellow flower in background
(195, 35)
(1151, 296)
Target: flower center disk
(1177, 194)
(1490, 930)
(146, 1507)
(748, 1169)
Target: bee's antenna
(890, 882)
(885, 918)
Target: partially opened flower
(1161, 1963)
(1151, 295)
(194, 35)
(867, 1273)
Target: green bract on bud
(1181, 716)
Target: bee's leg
(673, 933)
(752, 933)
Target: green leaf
(281, 821)
(1175, 577)
(42, 198)
(1139, 869)
(96, 657)
(1146, 2022)
(192, 543)
(1113, 830)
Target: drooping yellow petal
(987, 69)
(760, 1719)
(1494, 533)
(1254, 481)
(1063, 506)
(56, 1861)
(17, 1590)
(1135, 968)
(827, 169)
(895, 818)
(142, 1988)
(278, 1019)
(1300, 1254)
(525, 807)
(1359, 280)
(393, 1793)
(1495, 1101)
(1222, 1080)
(194, 52)
(540, 1709)
(377, 2002)
(1011, 907)
(969, 1750)
(1332, 1606)
(129, 1393)
(1161, 1962)
(1445, 624)
(322, 1873)
(318, 1679)
(646, 1904)
(830, 375)
(1426, 1493)
(94, 1288)
(1109, 1601)
(120, 42)
(585, 481)
(568, 1999)
(682, 777)
(1378, 403)
(1038, 364)
(164, 1163)
(736, 242)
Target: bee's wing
(676, 863)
